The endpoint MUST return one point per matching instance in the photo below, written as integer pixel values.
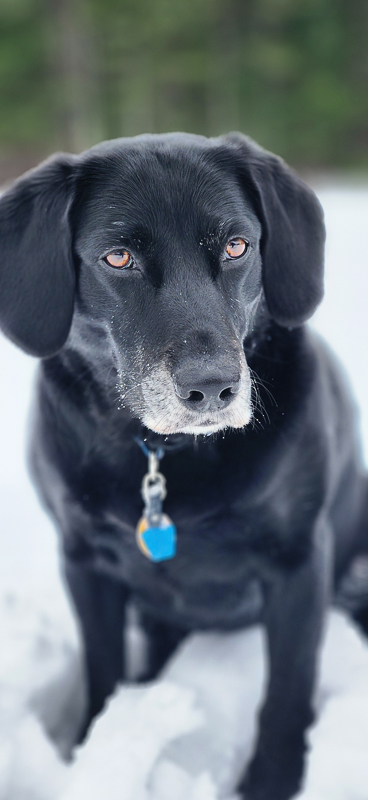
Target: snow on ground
(188, 735)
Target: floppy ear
(293, 234)
(36, 270)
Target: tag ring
(150, 483)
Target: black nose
(203, 392)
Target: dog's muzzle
(196, 403)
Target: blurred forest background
(291, 73)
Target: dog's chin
(199, 427)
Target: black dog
(165, 281)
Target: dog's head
(152, 255)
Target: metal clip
(153, 491)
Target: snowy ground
(186, 736)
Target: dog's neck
(170, 444)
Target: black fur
(269, 516)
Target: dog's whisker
(258, 382)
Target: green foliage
(291, 73)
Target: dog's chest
(212, 579)
(222, 524)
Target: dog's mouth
(164, 412)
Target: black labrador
(164, 281)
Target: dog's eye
(119, 260)
(236, 248)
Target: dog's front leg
(162, 639)
(100, 605)
(296, 603)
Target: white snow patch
(186, 736)
(338, 762)
(127, 740)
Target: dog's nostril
(196, 397)
(226, 394)
(201, 392)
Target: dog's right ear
(37, 276)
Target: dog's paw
(265, 792)
(266, 787)
(246, 793)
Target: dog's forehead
(156, 180)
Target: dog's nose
(202, 393)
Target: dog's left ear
(293, 232)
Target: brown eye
(236, 248)
(118, 260)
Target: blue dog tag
(157, 542)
